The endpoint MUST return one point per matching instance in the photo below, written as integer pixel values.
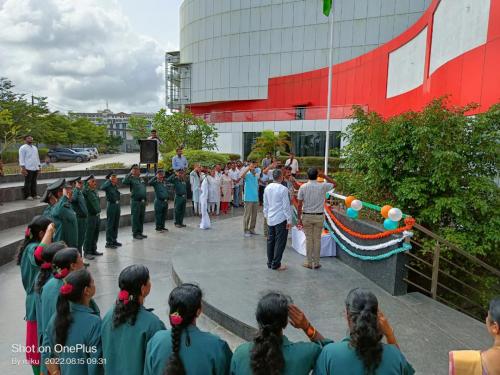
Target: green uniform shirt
(124, 347)
(300, 357)
(137, 187)
(179, 185)
(161, 191)
(340, 358)
(78, 203)
(112, 192)
(29, 275)
(66, 222)
(47, 212)
(92, 201)
(207, 353)
(85, 329)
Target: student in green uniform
(93, 218)
(271, 352)
(51, 196)
(179, 181)
(128, 325)
(137, 201)
(80, 208)
(161, 200)
(73, 333)
(363, 352)
(38, 234)
(185, 349)
(110, 186)
(64, 216)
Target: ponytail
(47, 256)
(362, 311)
(130, 281)
(71, 291)
(32, 234)
(272, 317)
(184, 302)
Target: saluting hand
(297, 317)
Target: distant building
(117, 124)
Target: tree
(10, 133)
(138, 127)
(438, 165)
(183, 129)
(113, 143)
(269, 142)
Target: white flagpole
(329, 105)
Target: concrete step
(11, 238)
(21, 212)
(64, 174)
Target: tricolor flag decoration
(327, 7)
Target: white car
(91, 151)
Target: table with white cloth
(328, 245)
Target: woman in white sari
(205, 219)
(214, 182)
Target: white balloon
(357, 204)
(395, 214)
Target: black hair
(272, 317)
(131, 279)
(153, 130)
(366, 336)
(75, 284)
(38, 224)
(184, 300)
(48, 254)
(63, 260)
(26, 136)
(494, 310)
(312, 173)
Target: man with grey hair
(278, 213)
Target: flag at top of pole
(327, 7)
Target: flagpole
(329, 101)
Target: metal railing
(451, 275)
(281, 114)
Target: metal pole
(329, 101)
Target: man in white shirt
(292, 162)
(29, 161)
(234, 174)
(278, 213)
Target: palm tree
(270, 142)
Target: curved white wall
(235, 46)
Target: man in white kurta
(205, 218)
(195, 182)
(214, 183)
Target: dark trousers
(112, 222)
(138, 210)
(179, 209)
(91, 234)
(161, 208)
(261, 194)
(82, 227)
(276, 243)
(30, 184)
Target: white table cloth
(328, 245)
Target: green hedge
(334, 164)
(12, 156)
(205, 158)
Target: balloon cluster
(392, 216)
(353, 206)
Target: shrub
(12, 156)
(108, 166)
(205, 158)
(334, 164)
(233, 157)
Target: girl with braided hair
(38, 234)
(271, 353)
(185, 349)
(74, 331)
(64, 261)
(128, 325)
(362, 352)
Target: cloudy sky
(82, 53)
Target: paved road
(127, 158)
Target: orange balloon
(385, 211)
(349, 200)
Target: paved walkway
(155, 252)
(127, 158)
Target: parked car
(91, 150)
(94, 152)
(67, 154)
(84, 150)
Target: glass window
(248, 142)
(313, 143)
(300, 113)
